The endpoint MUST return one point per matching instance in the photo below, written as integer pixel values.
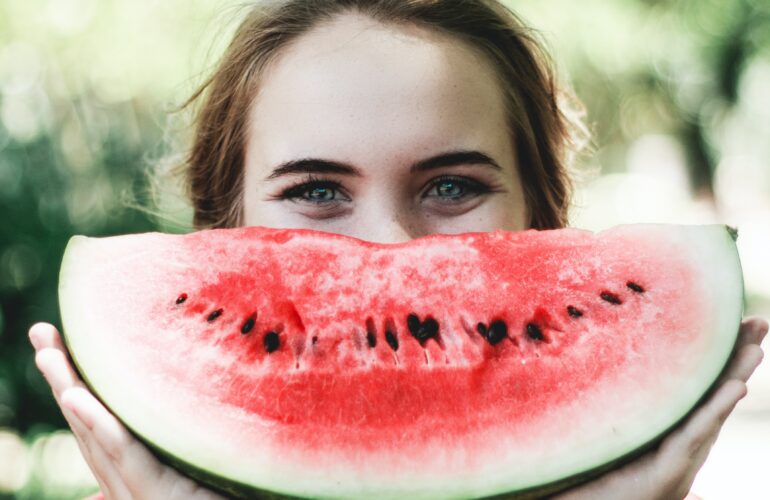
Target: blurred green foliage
(84, 86)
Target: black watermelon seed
(611, 298)
(635, 287)
(391, 339)
(497, 332)
(214, 315)
(314, 340)
(534, 332)
(574, 311)
(271, 341)
(248, 324)
(181, 298)
(413, 324)
(371, 332)
(482, 329)
(428, 329)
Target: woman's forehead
(356, 87)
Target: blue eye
(314, 191)
(321, 193)
(450, 189)
(454, 189)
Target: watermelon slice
(312, 364)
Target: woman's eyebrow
(313, 166)
(454, 158)
(319, 166)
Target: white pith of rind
(714, 255)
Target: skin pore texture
(404, 130)
(391, 131)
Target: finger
(743, 364)
(57, 370)
(753, 331)
(684, 452)
(107, 475)
(703, 426)
(186, 489)
(79, 434)
(135, 463)
(43, 335)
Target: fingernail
(763, 331)
(66, 400)
(71, 408)
(72, 417)
(34, 341)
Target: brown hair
(541, 129)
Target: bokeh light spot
(20, 266)
(10, 178)
(14, 462)
(21, 119)
(20, 68)
(76, 147)
(70, 17)
(59, 464)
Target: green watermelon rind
(241, 490)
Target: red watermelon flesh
(314, 364)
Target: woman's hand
(123, 467)
(667, 472)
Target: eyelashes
(448, 189)
(455, 189)
(314, 190)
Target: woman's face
(381, 132)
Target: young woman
(385, 120)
